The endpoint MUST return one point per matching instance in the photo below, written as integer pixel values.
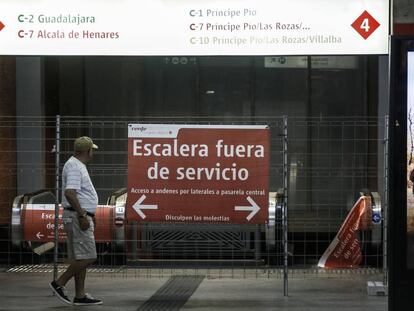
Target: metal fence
(318, 168)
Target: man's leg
(77, 267)
(84, 248)
(80, 284)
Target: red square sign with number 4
(365, 25)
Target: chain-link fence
(319, 167)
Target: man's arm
(70, 195)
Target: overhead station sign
(188, 27)
(195, 173)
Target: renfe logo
(140, 129)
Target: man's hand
(83, 222)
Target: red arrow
(2, 26)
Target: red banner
(38, 221)
(193, 173)
(345, 250)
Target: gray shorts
(80, 244)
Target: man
(79, 200)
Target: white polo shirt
(75, 176)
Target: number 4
(365, 25)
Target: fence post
(257, 243)
(134, 234)
(285, 206)
(385, 204)
(57, 177)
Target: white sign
(188, 27)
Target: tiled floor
(29, 291)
